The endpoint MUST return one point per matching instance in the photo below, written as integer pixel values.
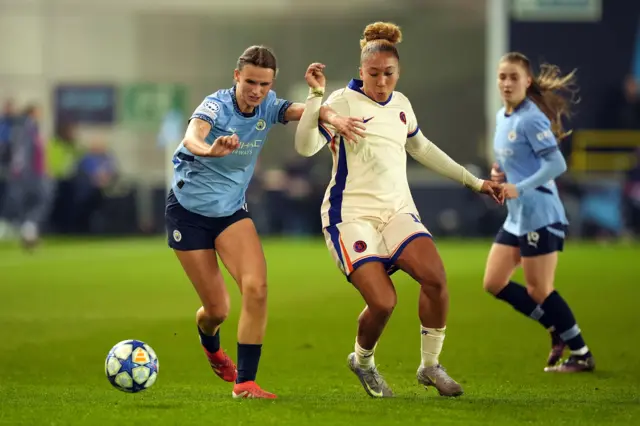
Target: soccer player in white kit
(370, 222)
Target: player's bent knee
(491, 285)
(432, 281)
(383, 308)
(254, 288)
(539, 292)
(213, 315)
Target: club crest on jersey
(261, 125)
(403, 117)
(177, 236)
(359, 246)
(512, 136)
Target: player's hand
(494, 190)
(349, 127)
(497, 175)
(224, 145)
(510, 191)
(315, 76)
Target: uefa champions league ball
(131, 366)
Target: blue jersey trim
(335, 239)
(203, 118)
(517, 107)
(324, 132)
(336, 193)
(283, 110)
(547, 151)
(356, 85)
(415, 132)
(237, 108)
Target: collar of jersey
(356, 85)
(517, 108)
(237, 108)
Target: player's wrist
(475, 183)
(331, 116)
(316, 92)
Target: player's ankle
(364, 357)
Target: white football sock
(431, 345)
(364, 357)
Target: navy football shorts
(545, 240)
(191, 231)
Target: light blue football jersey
(521, 138)
(216, 187)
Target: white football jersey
(369, 179)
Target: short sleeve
(537, 130)
(276, 108)
(208, 110)
(412, 122)
(340, 105)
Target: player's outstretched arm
(432, 157)
(349, 127)
(194, 140)
(552, 165)
(309, 140)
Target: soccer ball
(131, 366)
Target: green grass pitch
(63, 308)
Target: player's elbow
(303, 150)
(563, 166)
(559, 165)
(188, 143)
(304, 145)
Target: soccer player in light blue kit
(528, 161)
(206, 212)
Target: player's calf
(253, 316)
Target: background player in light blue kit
(528, 160)
(206, 212)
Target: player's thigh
(192, 240)
(201, 266)
(502, 261)
(354, 244)
(240, 249)
(539, 251)
(376, 288)
(411, 249)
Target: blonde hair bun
(381, 31)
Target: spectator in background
(96, 172)
(62, 159)
(298, 211)
(628, 116)
(632, 197)
(7, 118)
(28, 190)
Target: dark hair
(380, 37)
(552, 92)
(259, 56)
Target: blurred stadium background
(115, 82)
